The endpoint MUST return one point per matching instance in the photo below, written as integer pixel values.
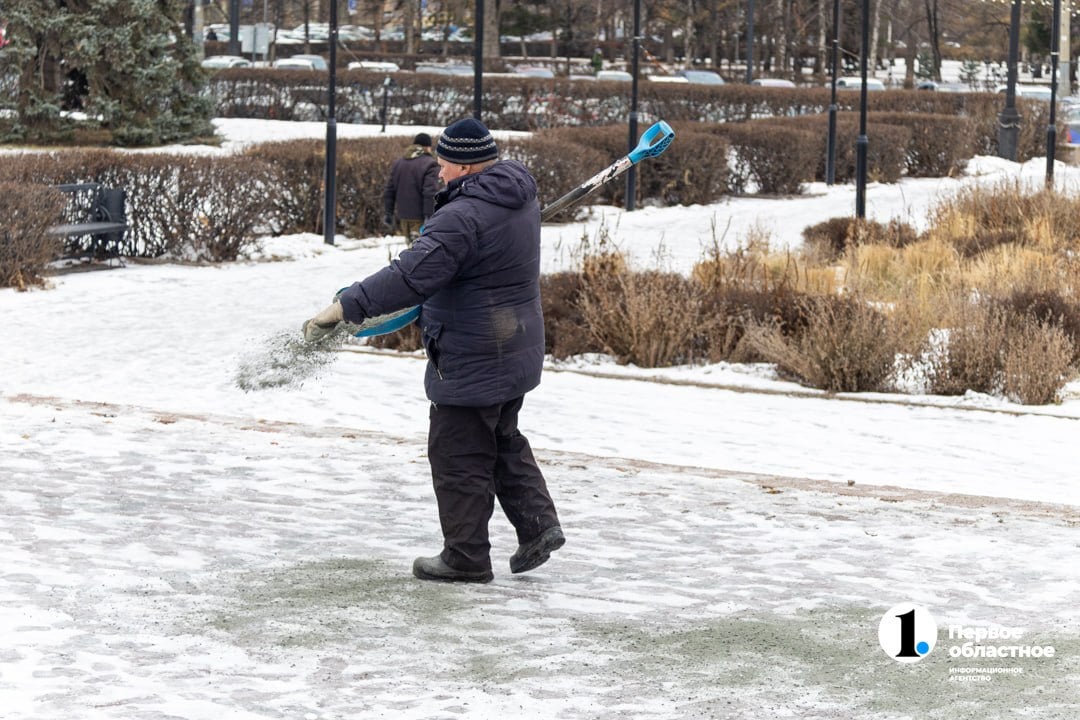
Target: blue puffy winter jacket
(476, 269)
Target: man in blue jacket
(475, 269)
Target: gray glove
(324, 324)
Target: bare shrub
(1002, 347)
(1049, 308)
(565, 331)
(1035, 364)
(645, 318)
(25, 247)
(846, 345)
(975, 336)
(727, 311)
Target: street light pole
(862, 143)
(234, 27)
(1009, 118)
(330, 209)
(631, 174)
(830, 145)
(749, 41)
(478, 59)
(1051, 130)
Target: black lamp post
(234, 27)
(749, 41)
(478, 58)
(1009, 118)
(631, 174)
(861, 143)
(330, 209)
(1051, 130)
(830, 145)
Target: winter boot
(533, 554)
(434, 568)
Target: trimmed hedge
(25, 248)
(527, 103)
(184, 207)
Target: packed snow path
(162, 565)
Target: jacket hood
(506, 183)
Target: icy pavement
(157, 565)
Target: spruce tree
(125, 64)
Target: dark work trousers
(476, 455)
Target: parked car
(317, 61)
(217, 62)
(1035, 92)
(444, 69)
(534, 71)
(854, 82)
(677, 79)
(701, 77)
(375, 66)
(294, 63)
(772, 82)
(614, 75)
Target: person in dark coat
(475, 271)
(410, 190)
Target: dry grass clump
(827, 241)
(979, 219)
(922, 270)
(1007, 268)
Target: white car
(534, 71)
(296, 63)
(374, 66)
(317, 61)
(702, 77)
(1035, 92)
(217, 62)
(440, 69)
(855, 83)
(772, 82)
(615, 75)
(677, 79)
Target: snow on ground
(174, 547)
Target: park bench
(96, 220)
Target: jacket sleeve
(416, 274)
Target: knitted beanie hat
(466, 142)
(422, 139)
